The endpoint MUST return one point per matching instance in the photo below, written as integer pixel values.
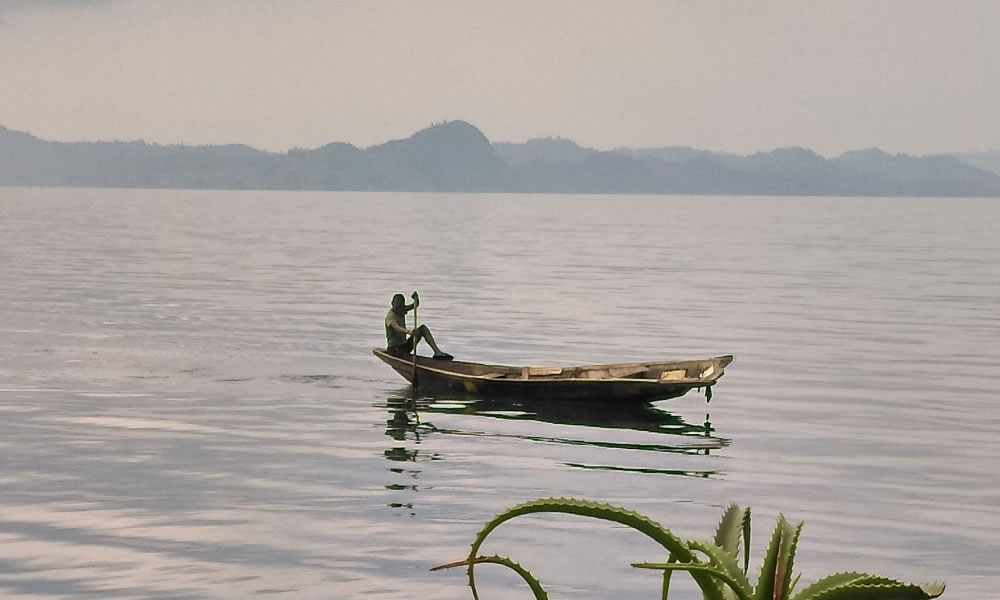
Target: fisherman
(396, 332)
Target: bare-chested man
(399, 339)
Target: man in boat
(396, 332)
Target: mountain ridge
(455, 156)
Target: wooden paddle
(414, 297)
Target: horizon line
(539, 138)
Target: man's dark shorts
(402, 348)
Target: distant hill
(561, 166)
(453, 156)
(543, 149)
(457, 157)
(903, 175)
(989, 161)
(28, 161)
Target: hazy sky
(915, 76)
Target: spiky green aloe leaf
(746, 541)
(531, 580)
(677, 548)
(882, 591)
(786, 560)
(719, 557)
(836, 580)
(765, 581)
(715, 573)
(665, 587)
(795, 582)
(735, 524)
(721, 578)
(730, 529)
(776, 571)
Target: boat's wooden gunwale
(507, 372)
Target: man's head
(398, 302)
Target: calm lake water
(189, 407)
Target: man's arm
(397, 326)
(416, 303)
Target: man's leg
(423, 333)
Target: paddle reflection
(403, 424)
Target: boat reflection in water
(638, 438)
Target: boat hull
(558, 383)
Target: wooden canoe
(623, 382)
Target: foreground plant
(713, 564)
